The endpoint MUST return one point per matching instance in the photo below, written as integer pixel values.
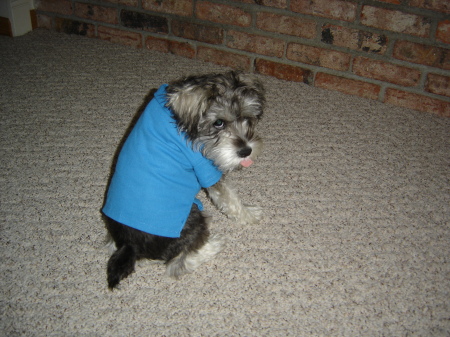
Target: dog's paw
(250, 215)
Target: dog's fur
(218, 113)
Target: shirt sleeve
(207, 173)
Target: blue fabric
(157, 174)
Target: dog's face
(219, 113)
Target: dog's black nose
(244, 152)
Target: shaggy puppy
(192, 132)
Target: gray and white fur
(218, 113)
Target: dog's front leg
(227, 201)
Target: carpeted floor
(355, 239)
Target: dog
(193, 132)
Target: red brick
(354, 39)
(283, 71)
(44, 21)
(130, 3)
(334, 9)
(97, 13)
(157, 44)
(223, 14)
(202, 33)
(443, 31)
(422, 54)
(144, 21)
(288, 25)
(56, 6)
(347, 86)
(167, 46)
(438, 84)
(318, 56)
(120, 36)
(74, 27)
(386, 72)
(178, 7)
(224, 58)
(436, 5)
(396, 2)
(395, 21)
(255, 43)
(182, 49)
(33, 18)
(417, 102)
(268, 3)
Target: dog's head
(218, 113)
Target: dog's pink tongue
(246, 162)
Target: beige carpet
(355, 239)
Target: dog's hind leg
(120, 265)
(195, 245)
(187, 262)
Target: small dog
(194, 131)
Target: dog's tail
(120, 265)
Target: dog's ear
(253, 95)
(188, 102)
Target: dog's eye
(219, 124)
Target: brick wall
(394, 51)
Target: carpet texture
(355, 239)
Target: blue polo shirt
(158, 174)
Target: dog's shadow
(130, 127)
